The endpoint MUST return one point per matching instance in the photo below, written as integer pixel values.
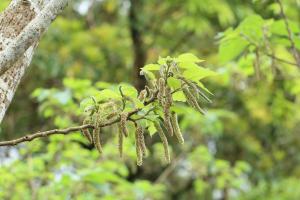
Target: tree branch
(139, 49)
(267, 54)
(290, 35)
(66, 131)
(31, 137)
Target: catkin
(123, 127)
(167, 120)
(166, 109)
(164, 141)
(120, 141)
(139, 153)
(97, 139)
(148, 90)
(142, 95)
(168, 95)
(141, 139)
(86, 131)
(191, 100)
(204, 96)
(191, 85)
(87, 134)
(111, 115)
(177, 131)
(161, 90)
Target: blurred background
(246, 147)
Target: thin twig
(290, 35)
(31, 137)
(143, 117)
(280, 59)
(267, 54)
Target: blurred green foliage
(245, 147)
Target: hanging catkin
(166, 109)
(123, 127)
(120, 141)
(164, 141)
(97, 139)
(141, 139)
(176, 127)
(86, 131)
(139, 154)
(191, 85)
(87, 134)
(167, 120)
(191, 100)
(168, 94)
(142, 96)
(161, 90)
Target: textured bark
(21, 25)
(36, 25)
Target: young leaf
(151, 67)
(179, 96)
(197, 73)
(173, 83)
(188, 57)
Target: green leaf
(174, 83)
(279, 28)
(87, 104)
(179, 96)
(187, 65)
(151, 128)
(231, 48)
(149, 75)
(129, 90)
(163, 61)
(188, 57)
(197, 73)
(252, 27)
(203, 87)
(103, 85)
(152, 67)
(107, 94)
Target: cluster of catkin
(170, 120)
(159, 92)
(191, 92)
(94, 137)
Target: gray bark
(21, 26)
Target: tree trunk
(12, 22)
(138, 43)
(21, 25)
